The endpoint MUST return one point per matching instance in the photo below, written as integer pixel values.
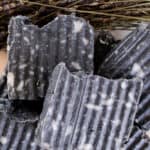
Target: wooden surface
(3, 60)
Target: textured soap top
(34, 52)
(88, 111)
(132, 58)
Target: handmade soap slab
(34, 52)
(87, 111)
(139, 140)
(132, 58)
(61, 106)
(107, 113)
(17, 136)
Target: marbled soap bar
(88, 111)
(34, 52)
(131, 58)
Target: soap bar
(34, 52)
(131, 58)
(138, 140)
(87, 110)
(61, 106)
(107, 113)
(14, 136)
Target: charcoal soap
(131, 58)
(87, 111)
(33, 53)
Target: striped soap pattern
(139, 140)
(132, 58)
(60, 109)
(34, 52)
(87, 112)
(17, 136)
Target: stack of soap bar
(87, 112)
(34, 52)
(131, 58)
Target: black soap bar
(17, 136)
(107, 113)
(129, 59)
(89, 111)
(34, 52)
(60, 109)
(139, 140)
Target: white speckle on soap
(37, 46)
(115, 122)
(123, 85)
(54, 125)
(26, 40)
(8, 48)
(116, 52)
(20, 86)
(3, 140)
(118, 141)
(33, 144)
(22, 66)
(90, 56)
(86, 147)
(63, 41)
(101, 41)
(78, 25)
(10, 79)
(128, 104)
(103, 95)
(68, 130)
(83, 52)
(93, 96)
(17, 35)
(32, 51)
(31, 73)
(148, 133)
(85, 41)
(92, 106)
(59, 117)
(42, 69)
(45, 146)
(131, 96)
(25, 28)
(137, 70)
(76, 65)
(70, 50)
(108, 102)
